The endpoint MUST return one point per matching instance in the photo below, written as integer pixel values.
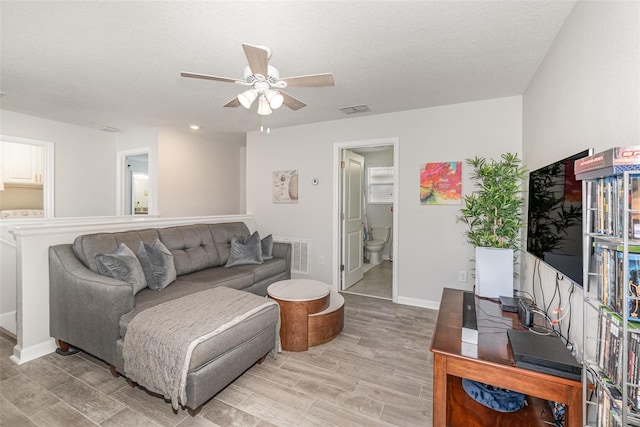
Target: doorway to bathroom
(366, 198)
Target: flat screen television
(554, 217)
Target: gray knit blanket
(160, 341)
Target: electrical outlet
(321, 260)
(462, 276)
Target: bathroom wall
(379, 214)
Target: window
(380, 184)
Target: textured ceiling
(118, 64)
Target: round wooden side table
(310, 314)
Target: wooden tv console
(494, 365)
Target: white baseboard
(8, 321)
(23, 355)
(417, 302)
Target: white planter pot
(494, 272)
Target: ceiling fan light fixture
(263, 106)
(266, 84)
(275, 99)
(247, 97)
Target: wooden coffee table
(310, 314)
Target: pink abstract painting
(441, 183)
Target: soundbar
(469, 320)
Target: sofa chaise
(91, 311)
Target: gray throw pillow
(122, 265)
(267, 247)
(157, 263)
(245, 251)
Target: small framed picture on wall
(285, 186)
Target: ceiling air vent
(355, 109)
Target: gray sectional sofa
(91, 311)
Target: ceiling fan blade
(291, 102)
(257, 58)
(314, 80)
(233, 103)
(207, 77)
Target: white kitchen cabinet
(22, 163)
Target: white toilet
(374, 246)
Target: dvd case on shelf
(611, 230)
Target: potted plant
(493, 213)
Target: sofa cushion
(87, 246)
(157, 263)
(219, 344)
(267, 247)
(237, 335)
(148, 298)
(245, 251)
(222, 235)
(122, 265)
(234, 277)
(192, 247)
(270, 268)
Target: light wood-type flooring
(378, 372)
(377, 282)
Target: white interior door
(352, 217)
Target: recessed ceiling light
(194, 127)
(109, 129)
(2, 94)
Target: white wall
(198, 176)
(84, 163)
(138, 138)
(195, 176)
(432, 247)
(584, 95)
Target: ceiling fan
(266, 84)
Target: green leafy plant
(493, 212)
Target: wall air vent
(299, 254)
(355, 109)
(109, 129)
